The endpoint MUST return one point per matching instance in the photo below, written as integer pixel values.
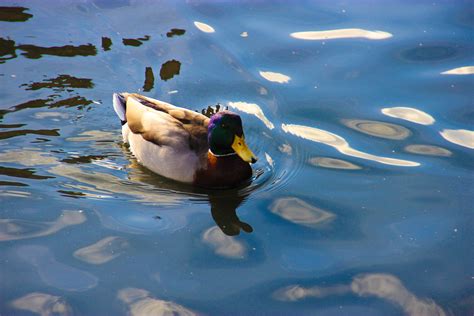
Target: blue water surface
(361, 114)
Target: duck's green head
(226, 136)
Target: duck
(184, 145)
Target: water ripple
(54, 273)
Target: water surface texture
(361, 114)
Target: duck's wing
(164, 124)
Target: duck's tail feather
(120, 106)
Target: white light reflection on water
(461, 137)
(467, 70)
(223, 245)
(299, 212)
(384, 286)
(341, 33)
(43, 304)
(102, 251)
(204, 27)
(274, 76)
(390, 288)
(378, 129)
(253, 109)
(332, 163)
(341, 145)
(27, 157)
(140, 303)
(409, 114)
(15, 229)
(428, 150)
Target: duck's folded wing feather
(166, 125)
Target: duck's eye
(223, 125)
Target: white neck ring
(224, 155)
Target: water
(361, 202)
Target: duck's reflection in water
(223, 203)
(224, 212)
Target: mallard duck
(184, 145)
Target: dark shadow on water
(135, 41)
(106, 43)
(35, 52)
(28, 173)
(60, 83)
(175, 32)
(169, 69)
(23, 132)
(149, 79)
(14, 14)
(77, 101)
(8, 48)
(13, 184)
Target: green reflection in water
(35, 52)
(60, 83)
(149, 79)
(14, 14)
(106, 43)
(135, 41)
(13, 183)
(28, 173)
(22, 132)
(7, 48)
(77, 101)
(169, 69)
(175, 32)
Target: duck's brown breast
(223, 172)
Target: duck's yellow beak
(240, 147)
